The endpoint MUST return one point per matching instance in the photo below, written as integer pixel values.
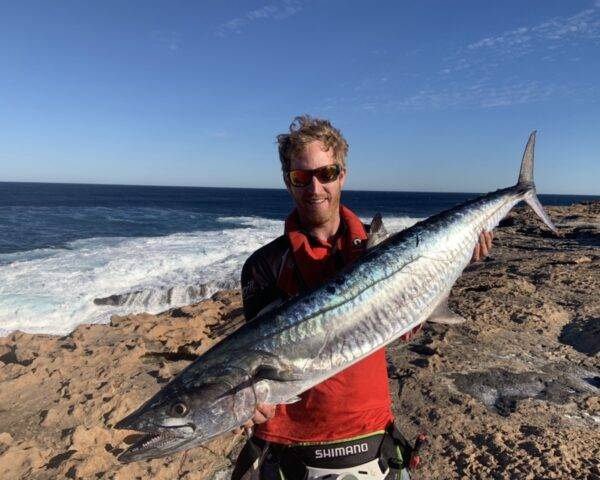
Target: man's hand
(263, 412)
(482, 249)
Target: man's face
(317, 203)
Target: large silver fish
(398, 284)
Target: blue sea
(72, 254)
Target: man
(353, 408)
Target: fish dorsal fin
(377, 233)
(442, 314)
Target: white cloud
(277, 11)
(479, 95)
(582, 26)
(485, 67)
(476, 95)
(550, 35)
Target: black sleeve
(259, 278)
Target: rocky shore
(514, 393)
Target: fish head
(183, 415)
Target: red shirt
(357, 400)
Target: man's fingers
(259, 418)
(483, 245)
(266, 409)
(489, 236)
(245, 426)
(487, 242)
(475, 257)
(263, 412)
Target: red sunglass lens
(300, 178)
(327, 174)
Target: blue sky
(431, 95)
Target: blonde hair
(305, 130)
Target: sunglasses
(326, 174)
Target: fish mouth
(155, 444)
(154, 440)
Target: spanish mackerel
(397, 285)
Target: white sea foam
(53, 290)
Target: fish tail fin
(526, 183)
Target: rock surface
(514, 393)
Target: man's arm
(256, 288)
(259, 277)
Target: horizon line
(274, 188)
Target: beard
(317, 210)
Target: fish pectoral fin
(377, 232)
(272, 367)
(443, 315)
(271, 372)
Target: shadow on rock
(583, 334)
(587, 236)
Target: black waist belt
(391, 448)
(340, 454)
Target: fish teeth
(156, 440)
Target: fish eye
(179, 409)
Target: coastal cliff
(512, 393)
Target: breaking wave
(53, 290)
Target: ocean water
(72, 254)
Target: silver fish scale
(387, 293)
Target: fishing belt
(272, 461)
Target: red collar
(314, 257)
